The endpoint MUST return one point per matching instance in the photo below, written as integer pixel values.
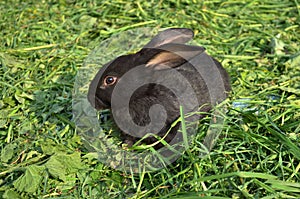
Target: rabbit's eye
(110, 80)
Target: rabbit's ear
(172, 35)
(173, 55)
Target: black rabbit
(145, 90)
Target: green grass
(44, 43)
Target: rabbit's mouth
(99, 104)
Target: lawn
(43, 47)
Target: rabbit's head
(164, 50)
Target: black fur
(156, 57)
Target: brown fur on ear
(165, 60)
(173, 55)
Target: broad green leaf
(68, 184)
(60, 165)
(72, 162)
(49, 147)
(30, 180)
(56, 168)
(9, 194)
(7, 152)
